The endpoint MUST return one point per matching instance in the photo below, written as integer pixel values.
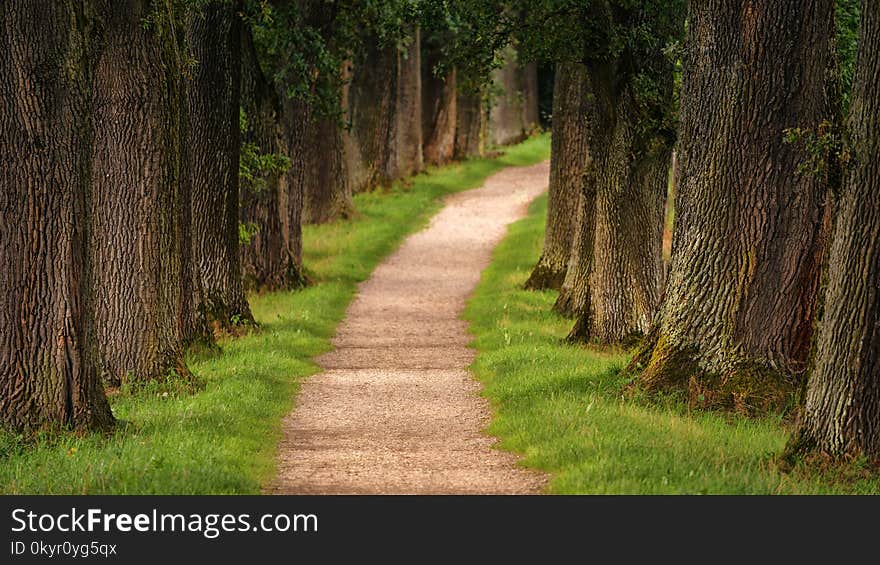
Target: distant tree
(439, 100)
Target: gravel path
(396, 410)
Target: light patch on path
(396, 409)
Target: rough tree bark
(48, 368)
(272, 260)
(470, 124)
(317, 150)
(568, 158)
(140, 244)
(214, 39)
(735, 323)
(439, 107)
(319, 180)
(630, 171)
(841, 415)
(574, 295)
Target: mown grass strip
(223, 439)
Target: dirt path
(396, 410)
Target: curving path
(396, 409)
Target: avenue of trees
(771, 296)
(160, 157)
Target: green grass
(562, 407)
(223, 439)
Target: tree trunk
(630, 176)
(439, 107)
(214, 38)
(271, 260)
(841, 416)
(48, 368)
(383, 104)
(406, 157)
(575, 294)
(297, 122)
(470, 124)
(318, 165)
(735, 323)
(531, 120)
(140, 241)
(568, 157)
(506, 124)
(370, 107)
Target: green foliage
(563, 407)
(635, 42)
(826, 147)
(254, 166)
(847, 44)
(246, 232)
(303, 45)
(223, 438)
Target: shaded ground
(396, 410)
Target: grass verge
(561, 405)
(223, 438)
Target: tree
(385, 92)
(48, 365)
(470, 123)
(140, 244)
(568, 159)
(735, 323)
(305, 46)
(840, 414)
(271, 255)
(439, 102)
(214, 38)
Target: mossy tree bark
(568, 156)
(272, 259)
(439, 107)
(214, 38)
(735, 323)
(841, 415)
(629, 166)
(140, 244)
(48, 366)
